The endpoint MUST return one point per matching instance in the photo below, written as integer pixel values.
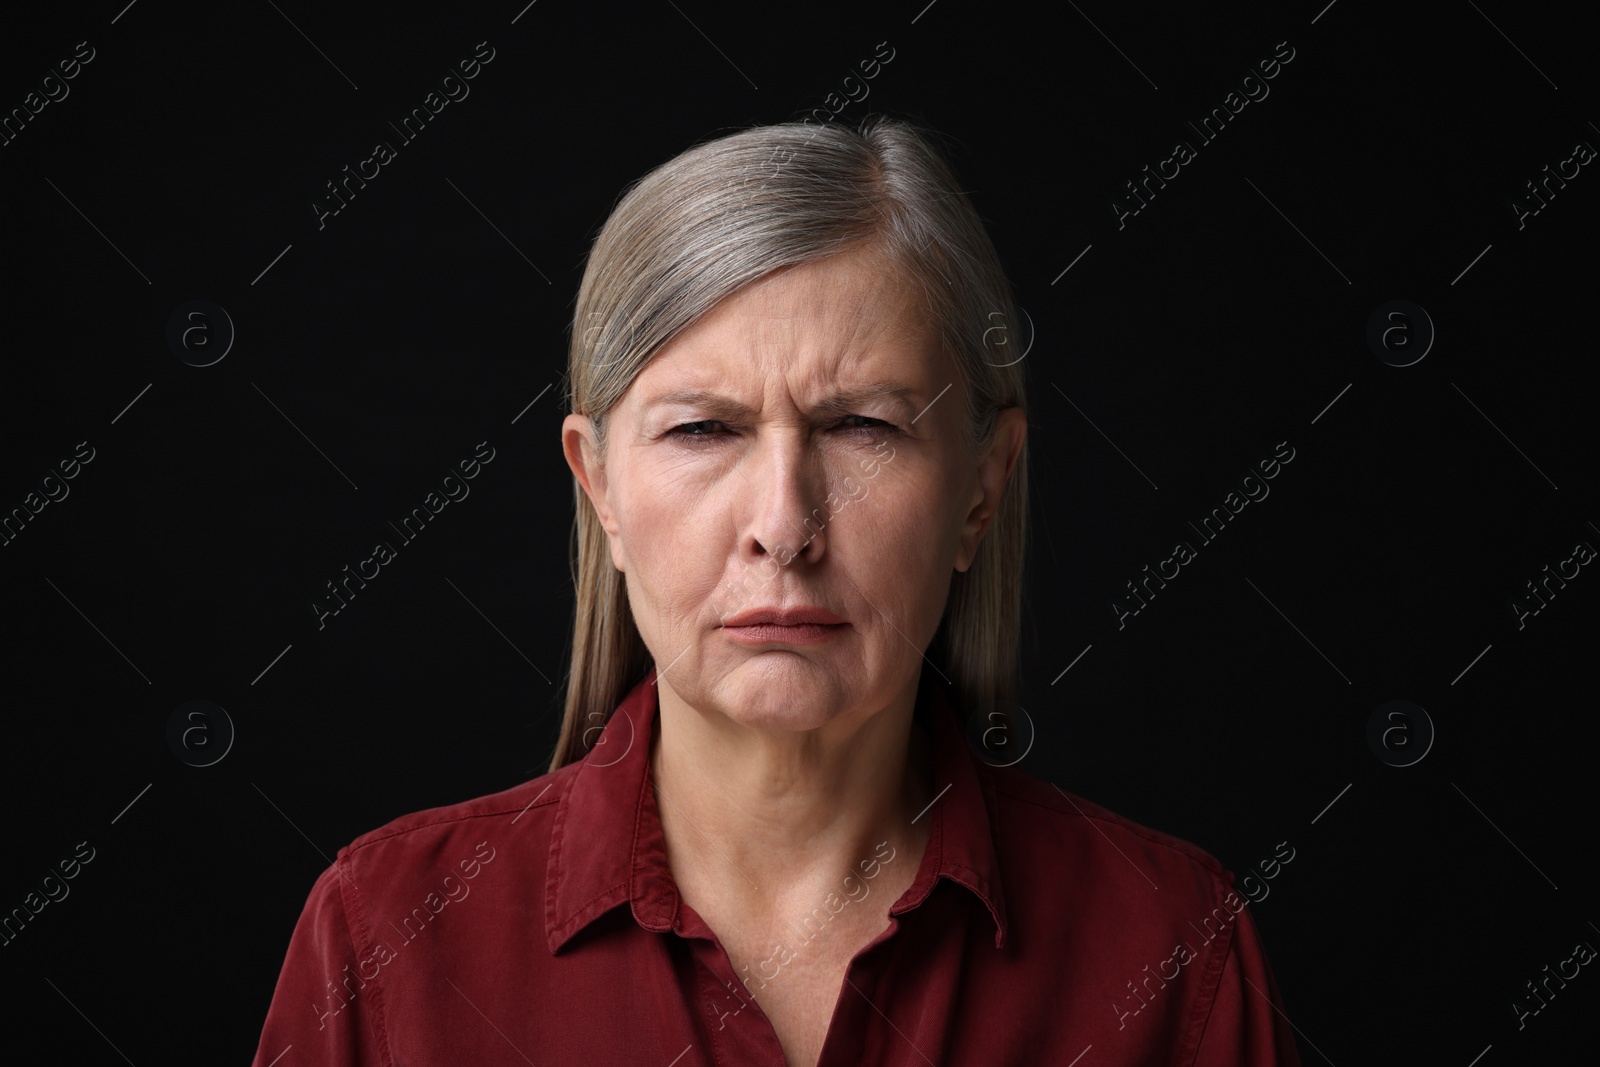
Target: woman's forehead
(813, 367)
(846, 318)
(854, 292)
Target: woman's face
(800, 446)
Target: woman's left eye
(873, 424)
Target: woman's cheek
(658, 514)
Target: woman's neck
(759, 820)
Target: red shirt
(542, 925)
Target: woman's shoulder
(1140, 917)
(1042, 829)
(521, 811)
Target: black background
(425, 317)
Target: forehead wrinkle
(795, 331)
(850, 333)
(839, 285)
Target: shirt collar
(607, 846)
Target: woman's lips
(810, 633)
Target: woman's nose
(786, 516)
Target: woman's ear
(583, 454)
(995, 465)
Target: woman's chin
(781, 690)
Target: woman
(798, 449)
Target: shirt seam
(357, 846)
(1206, 1001)
(554, 933)
(347, 885)
(646, 793)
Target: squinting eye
(874, 424)
(692, 429)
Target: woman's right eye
(699, 430)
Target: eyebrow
(840, 402)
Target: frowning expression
(799, 447)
